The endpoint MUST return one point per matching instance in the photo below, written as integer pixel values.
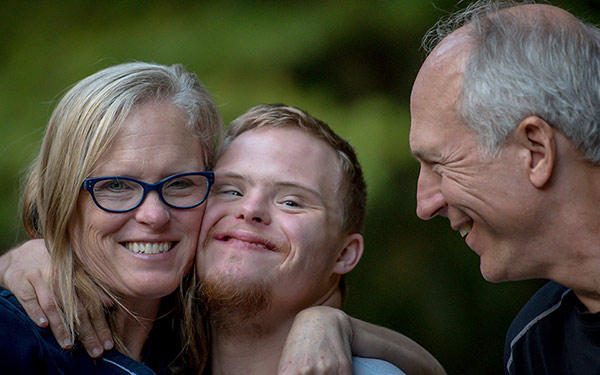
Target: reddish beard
(231, 302)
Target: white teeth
(148, 247)
(465, 229)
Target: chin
(159, 289)
(493, 273)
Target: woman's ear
(536, 139)
(350, 254)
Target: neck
(134, 326)
(573, 247)
(249, 347)
(252, 344)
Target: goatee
(232, 304)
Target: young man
(506, 126)
(283, 225)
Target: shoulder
(543, 303)
(27, 349)
(537, 332)
(13, 319)
(22, 343)
(373, 366)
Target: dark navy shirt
(27, 349)
(553, 334)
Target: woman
(116, 192)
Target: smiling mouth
(149, 247)
(465, 229)
(256, 243)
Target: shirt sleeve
(373, 366)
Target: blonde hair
(81, 129)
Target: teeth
(465, 229)
(148, 247)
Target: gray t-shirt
(373, 366)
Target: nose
(430, 200)
(254, 208)
(152, 212)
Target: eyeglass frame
(89, 183)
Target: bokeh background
(350, 63)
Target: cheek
(189, 221)
(214, 212)
(94, 244)
(465, 189)
(91, 226)
(311, 242)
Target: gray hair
(527, 66)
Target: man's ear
(350, 254)
(536, 137)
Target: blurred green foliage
(350, 63)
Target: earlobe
(536, 137)
(350, 254)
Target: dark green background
(350, 63)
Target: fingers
(26, 294)
(36, 298)
(24, 271)
(93, 331)
(325, 364)
(100, 323)
(318, 343)
(48, 308)
(102, 330)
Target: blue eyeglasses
(121, 194)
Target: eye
(433, 167)
(116, 185)
(227, 190)
(113, 186)
(179, 183)
(290, 203)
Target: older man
(283, 225)
(505, 124)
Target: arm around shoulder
(323, 340)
